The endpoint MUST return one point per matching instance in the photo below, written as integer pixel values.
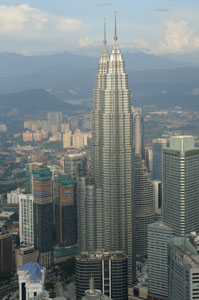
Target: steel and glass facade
(144, 205)
(113, 158)
(181, 185)
(109, 271)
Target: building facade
(158, 238)
(158, 146)
(109, 271)
(144, 204)
(139, 131)
(113, 160)
(75, 164)
(183, 270)
(6, 254)
(65, 214)
(26, 219)
(43, 214)
(181, 185)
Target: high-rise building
(65, 214)
(158, 238)
(144, 204)
(113, 159)
(157, 189)
(158, 146)
(139, 131)
(109, 271)
(75, 164)
(43, 214)
(87, 216)
(181, 185)
(6, 255)
(54, 118)
(31, 277)
(26, 224)
(183, 269)
(67, 138)
(149, 158)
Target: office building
(183, 269)
(144, 204)
(75, 164)
(6, 255)
(149, 158)
(113, 159)
(43, 214)
(158, 146)
(26, 220)
(31, 277)
(109, 271)
(87, 216)
(139, 131)
(158, 238)
(65, 214)
(181, 185)
(157, 186)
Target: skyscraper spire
(115, 36)
(105, 41)
(103, 62)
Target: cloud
(86, 42)
(162, 10)
(103, 4)
(140, 44)
(178, 38)
(23, 21)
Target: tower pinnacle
(105, 41)
(115, 36)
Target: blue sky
(46, 26)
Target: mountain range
(67, 77)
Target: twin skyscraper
(106, 205)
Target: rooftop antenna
(115, 36)
(105, 41)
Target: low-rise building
(31, 278)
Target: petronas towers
(106, 208)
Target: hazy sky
(154, 26)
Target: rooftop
(159, 224)
(33, 269)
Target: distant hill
(34, 101)
(170, 100)
(12, 64)
(78, 83)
